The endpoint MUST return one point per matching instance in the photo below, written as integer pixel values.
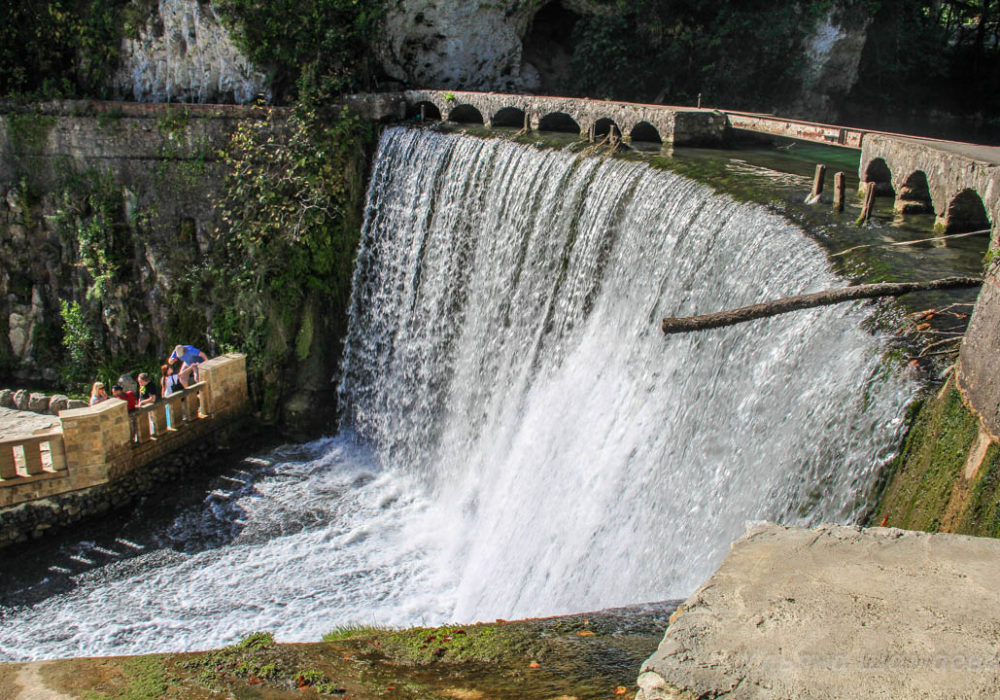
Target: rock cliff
(184, 54)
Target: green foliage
(290, 210)
(940, 52)
(78, 340)
(310, 46)
(735, 54)
(92, 215)
(59, 48)
(257, 641)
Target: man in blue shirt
(190, 357)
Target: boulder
(37, 402)
(21, 398)
(837, 612)
(58, 402)
(6, 398)
(76, 403)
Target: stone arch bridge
(959, 183)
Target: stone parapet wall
(32, 520)
(101, 443)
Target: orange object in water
(885, 521)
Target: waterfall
(520, 438)
(505, 347)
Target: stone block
(58, 402)
(39, 403)
(21, 398)
(7, 398)
(76, 403)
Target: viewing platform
(102, 443)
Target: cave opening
(547, 49)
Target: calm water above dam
(520, 438)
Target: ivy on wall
(290, 206)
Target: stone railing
(100, 443)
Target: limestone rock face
(184, 54)
(833, 54)
(466, 46)
(441, 44)
(837, 612)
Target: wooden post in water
(527, 122)
(590, 132)
(423, 113)
(817, 189)
(866, 208)
(838, 191)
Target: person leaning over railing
(190, 357)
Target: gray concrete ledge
(838, 612)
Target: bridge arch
(965, 212)
(426, 108)
(879, 173)
(913, 195)
(644, 132)
(603, 126)
(509, 116)
(466, 114)
(559, 121)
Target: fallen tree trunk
(683, 324)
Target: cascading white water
(505, 345)
(522, 438)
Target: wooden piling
(527, 122)
(866, 208)
(423, 113)
(817, 189)
(839, 181)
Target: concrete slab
(838, 612)
(19, 423)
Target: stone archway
(879, 173)
(603, 127)
(964, 213)
(559, 121)
(644, 132)
(427, 110)
(914, 195)
(509, 116)
(466, 114)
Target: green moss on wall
(926, 487)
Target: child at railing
(169, 383)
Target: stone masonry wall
(156, 166)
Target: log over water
(684, 324)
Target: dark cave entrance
(548, 48)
